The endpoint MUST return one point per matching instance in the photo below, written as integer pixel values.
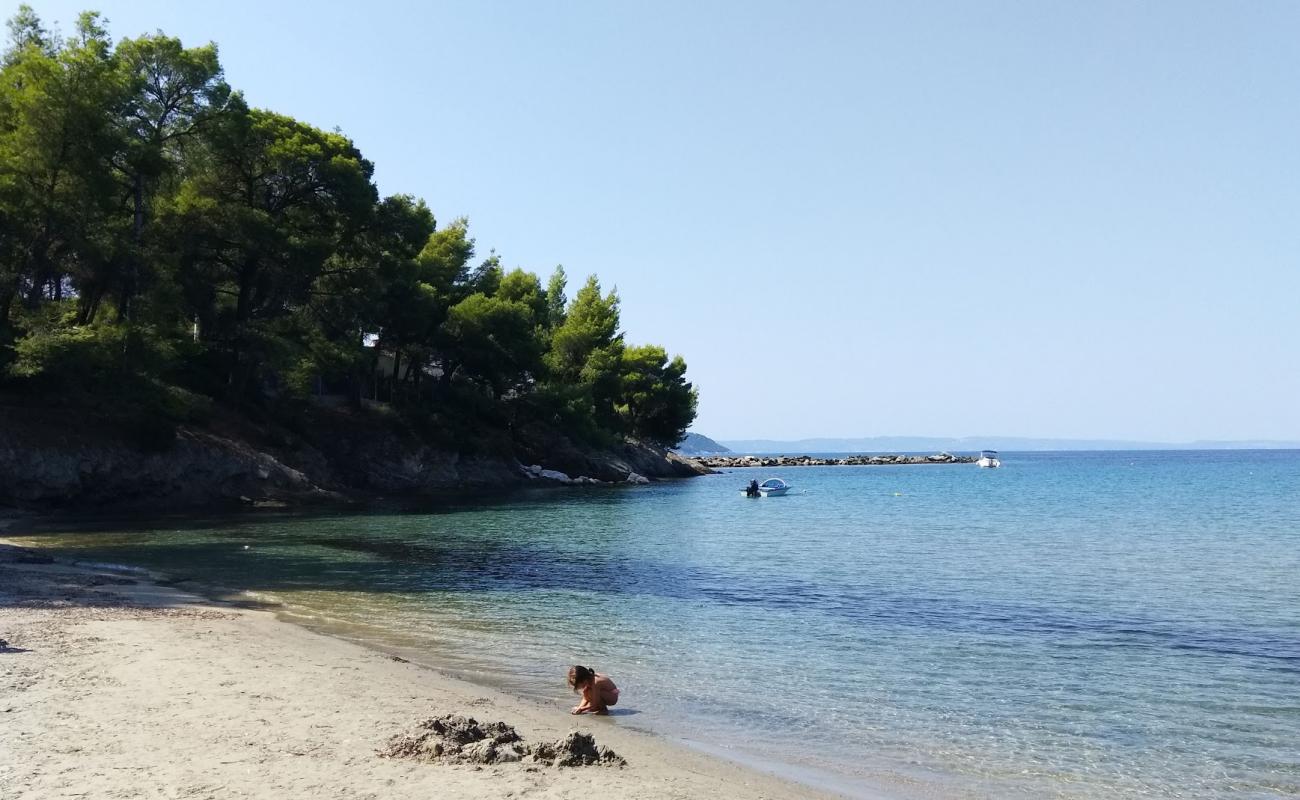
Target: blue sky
(853, 219)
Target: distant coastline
(697, 444)
(969, 444)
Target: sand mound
(454, 739)
(457, 739)
(576, 750)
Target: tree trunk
(89, 305)
(238, 377)
(397, 375)
(6, 303)
(354, 390)
(38, 258)
(131, 274)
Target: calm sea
(1087, 625)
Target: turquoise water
(1073, 625)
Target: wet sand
(115, 686)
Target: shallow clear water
(1072, 625)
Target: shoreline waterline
(377, 640)
(212, 637)
(862, 787)
(1077, 626)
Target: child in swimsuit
(598, 691)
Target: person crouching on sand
(598, 691)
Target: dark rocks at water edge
(457, 739)
(63, 459)
(538, 472)
(734, 462)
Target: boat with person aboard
(989, 459)
(772, 487)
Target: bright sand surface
(111, 689)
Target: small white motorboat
(772, 487)
(988, 459)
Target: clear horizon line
(1098, 440)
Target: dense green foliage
(159, 239)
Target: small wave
(109, 566)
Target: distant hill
(697, 444)
(931, 444)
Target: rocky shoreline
(60, 460)
(738, 462)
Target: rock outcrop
(60, 459)
(537, 472)
(52, 459)
(614, 464)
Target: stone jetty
(734, 462)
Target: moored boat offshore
(772, 487)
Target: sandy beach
(117, 686)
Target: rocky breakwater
(736, 462)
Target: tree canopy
(160, 238)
